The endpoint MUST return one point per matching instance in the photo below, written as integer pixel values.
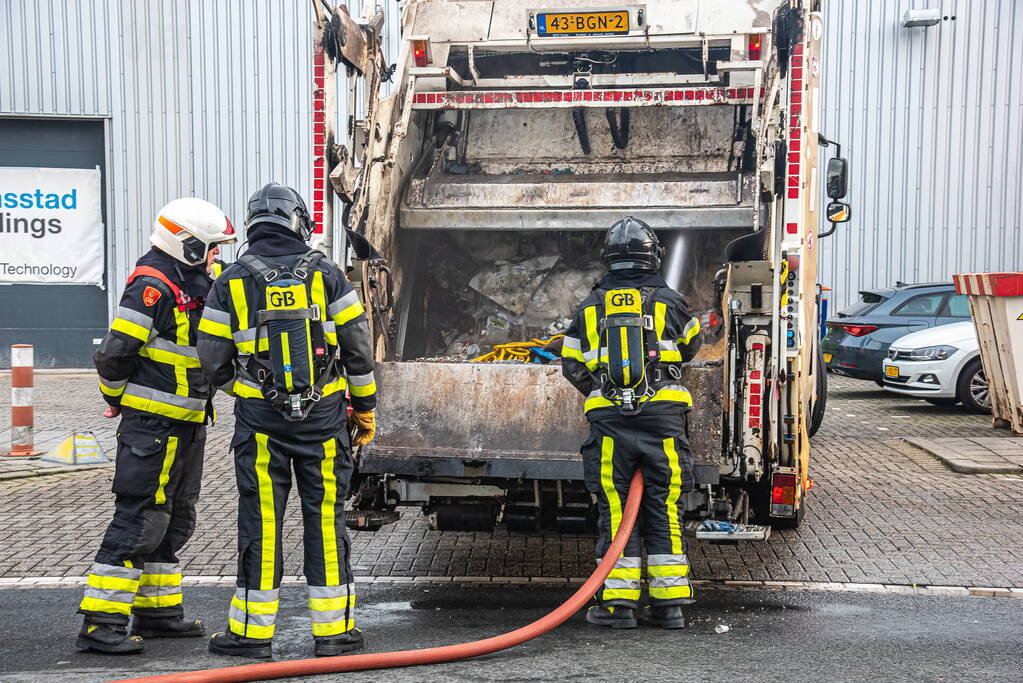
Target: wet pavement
(770, 636)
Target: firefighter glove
(365, 425)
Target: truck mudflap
(506, 420)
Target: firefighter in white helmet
(150, 376)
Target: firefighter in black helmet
(285, 333)
(624, 352)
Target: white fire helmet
(189, 227)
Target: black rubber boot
(166, 627)
(331, 646)
(665, 616)
(108, 638)
(234, 645)
(615, 617)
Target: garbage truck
(474, 197)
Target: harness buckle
(272, 275)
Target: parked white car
(941, 365)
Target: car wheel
(942, 401)
(972, 388)
(879, 382)
(817, 407)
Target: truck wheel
(972, 388)
(817, 407)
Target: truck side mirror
(837, 177)
(838, 212)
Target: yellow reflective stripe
(365, 390)
(99, 605)
(286, 359)
(110, 391)
(239, 303)
(250, 630)
(625, 573)
(251, 607)
(216, 269)
(160, 408)
(181, 320)
(671, 356)
(670, 592)
(330, 604)
(267, 514)
(168, 357)
(596, 402)
(216, 329)
(333, 628)
(607, 449)
(574, 354)
(147, 601)
(660, 311)
(340, 384)
(168, 460)
(678, 395)
(692, 329)
(112, 583)
(592, 334)
(181, 380)
(330, 561)
(131, 329)
(160, 580)
(245, 391)
(667, 570)
(349, 314)
(626, 369)
(620, 594)
(674, 491)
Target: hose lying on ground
(430, 655)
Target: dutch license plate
(827, 357)
(582, 23)
(891, 371)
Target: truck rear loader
(475, 196)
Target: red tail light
(754, 46)
(859, 330)
(783, 489)
(420, 52)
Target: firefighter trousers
(658, 445)
(265, 457)
(157, 476)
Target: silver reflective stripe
(329, 327)
(133, 316)
(116, 572)
(591, 355)
(630, 584)
(157, 591)
(660, 560)
(247, 383)
(327, 617)
(147, 393)
(571, 343)
(248, 335)
(222, 317)
(111, 594)
(167, 345)
(596, 393)
(252, 595)
(667, 345)
(628, 562)
(344, 302)
(251, 619)
(668, 581)
(113, 384)
(317, 592)
(361, 380)
(693, 323)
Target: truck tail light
(783, 495)
(420, 52)
(859, 330)
(753, 44)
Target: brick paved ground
(977, 455)
(882, 511)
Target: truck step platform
(738, 532)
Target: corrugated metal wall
(931, 121)
(212, 98)
(205, 98)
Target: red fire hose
(430, 655)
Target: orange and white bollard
(22, 441)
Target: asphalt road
(772, 636)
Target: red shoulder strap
(184, 301)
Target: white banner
(51, 226)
